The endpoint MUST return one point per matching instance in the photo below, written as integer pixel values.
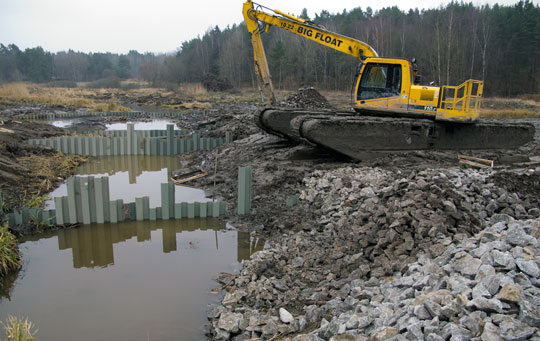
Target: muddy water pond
(129, 281)
(149, 280)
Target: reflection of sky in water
(133, 177)
(128, 281)
(153, 125)
(147, 185)
(63, 123)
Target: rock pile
(436, 254)
(307, 98)
(213, 83)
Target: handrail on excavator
(468, 86)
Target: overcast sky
(149, 25)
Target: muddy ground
(282, 170)
(27, 172)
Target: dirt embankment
(28, 172)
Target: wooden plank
(475, 161)
(202, 173)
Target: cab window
(380, 80)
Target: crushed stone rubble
(307, 97)
(435, 254)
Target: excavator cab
(383, 85)
(390, 86)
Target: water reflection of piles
(247, 245)
(135, 165)
(92, 245)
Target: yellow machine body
(384, 86)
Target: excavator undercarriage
(359, 136)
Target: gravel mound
(395, 256)
(307, 98)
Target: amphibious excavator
(392, 111)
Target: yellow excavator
(392, 110)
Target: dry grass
(514, 113)
(339, 99)
(14, 90)
(188, 105)
(45, 172)
(10, 257)
(192, 89)
(532, 97)
(247, 95)
(509, 108)
(19, 329)
(32, 93)
(109, 107)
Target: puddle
(64, 123)
(151, 125)
(129, 281)
(133, 177)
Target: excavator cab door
(379, 86)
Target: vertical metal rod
(215, 171)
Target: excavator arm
(259, 21)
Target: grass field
(510, 108)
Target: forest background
(497, 44)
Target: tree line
(38, 65)
(497, 44)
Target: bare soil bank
(27, 172)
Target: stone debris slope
(436, 254)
